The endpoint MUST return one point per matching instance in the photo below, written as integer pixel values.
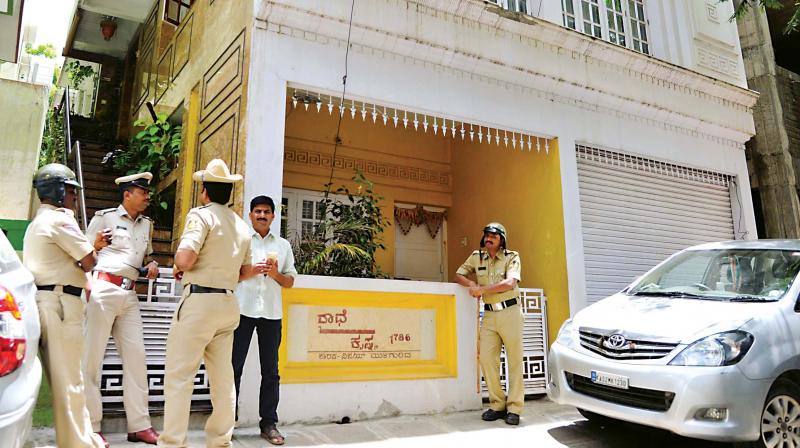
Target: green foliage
(46, 50)
(77, 73)
(53, 144)
(744, 6)
(155, 149)
(344, 243)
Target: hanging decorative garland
(407, 217)
(446, 126)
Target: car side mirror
(797, 305)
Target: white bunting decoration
(455, 128)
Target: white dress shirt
(260, 296)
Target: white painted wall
(695, 34)
(23, 107)
(387, 79)
(328, 402)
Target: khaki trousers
(500, 328)
(115, 311)
(61, 343)
(202, 329)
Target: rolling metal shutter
(636, 212)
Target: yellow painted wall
(522, 190)
(386, 154)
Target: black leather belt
(71, 290)
(501, 305)
(197, 289)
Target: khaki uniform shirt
(53, 245)
(221, 240)
(130, 241)
(489, 271)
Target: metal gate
(157, 302)
(636, 212)
(534, 344)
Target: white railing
(157, 302)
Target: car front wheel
(780, 417)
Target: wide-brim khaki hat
(216, 171)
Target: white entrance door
(417, 256)
(636, 212)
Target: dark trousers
(269, 339)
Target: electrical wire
(338, 140)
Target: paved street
(544, 424)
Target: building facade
(604, 135)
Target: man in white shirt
(261, 310)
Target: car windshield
(723, 274)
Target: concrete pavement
(544, 424)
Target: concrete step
(103, 179)
(160, 246)
(162, 234)
(111, 192)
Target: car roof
(750, 244)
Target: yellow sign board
(362, 333)
(332, 335)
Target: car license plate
(609, 379)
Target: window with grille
(591, 18)
(302, 211)
(621, 22)
(568, 13)
(176, 10)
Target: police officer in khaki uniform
(497, 271)
(214, 251)
(59, 256)
(122, 238)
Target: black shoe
(512, 419)
(491, 415)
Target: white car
(20, 369)
(706, 345)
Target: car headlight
(565, 334)
(722, 349)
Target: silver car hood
(666, 319)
